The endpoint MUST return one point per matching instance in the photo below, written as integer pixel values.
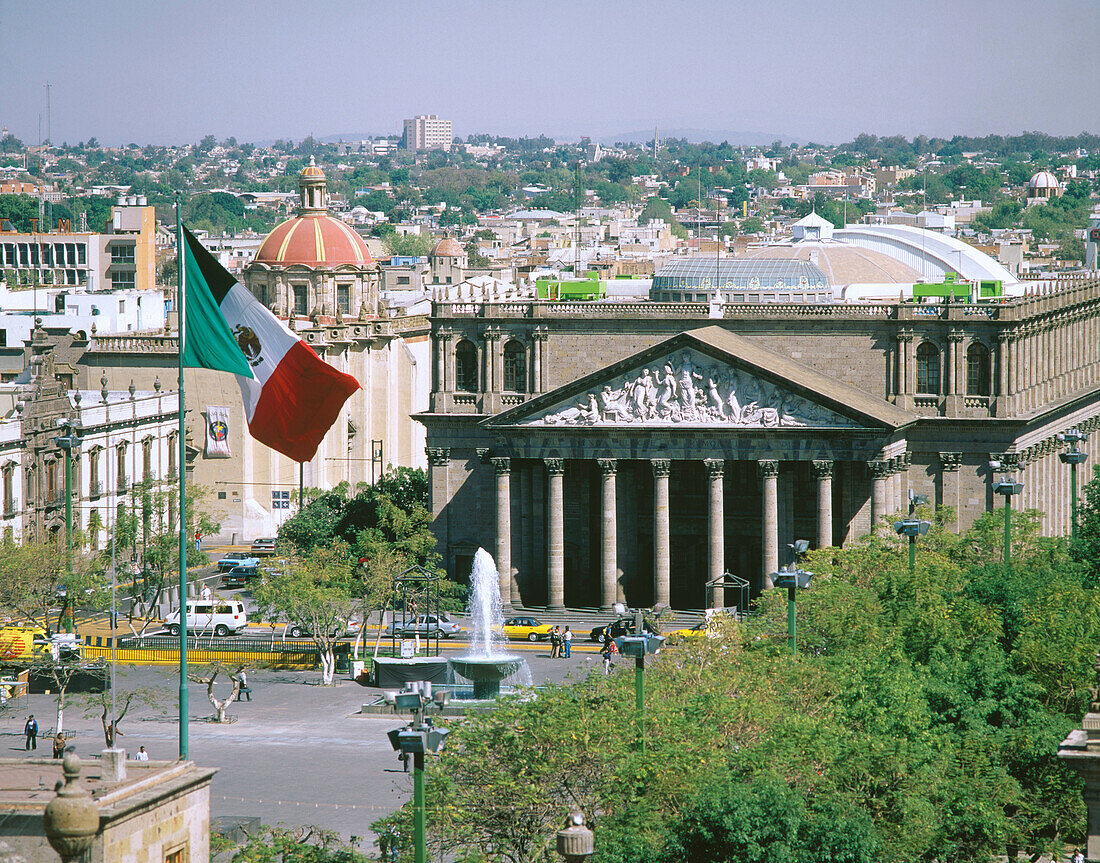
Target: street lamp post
(420, 736)
(68, 443)
(1073, 458)
(913, 527)
(638, 645)
(1007, 486)
(793, 580)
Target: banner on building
(217, 432)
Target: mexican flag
(291, 396)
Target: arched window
(466, 367)
(928, 369)
(977, 370)
(515, 368)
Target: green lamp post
(793, 580)
(1008, 486)
(417, 738)
(913, 527)
(1073, 458)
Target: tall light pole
(417, 738)
(1007, 486)
(1073, 458)
(638, 645)
(913, 527)
(793, 580)
(69, 442)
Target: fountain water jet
(487, 663)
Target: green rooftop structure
(959, 290)
(588, 288)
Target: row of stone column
(610, 589)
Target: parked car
(349, 629)
(240, 576)
(236, 558)
(424, 624)
(689, 633)
(530, 628)
(204, 615)
(264, 545)
(622, 626)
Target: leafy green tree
(410, 245)
(316, 593)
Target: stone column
(880, 470)
(661, 568)
(609, 545)
(716, 529)
(540, 335)
(503, 467)
(823, 473)
(490, 337)
(448, 360)
(1003, 352)
(439, 462)
(555, 540)
(769, 476)
(902, 372)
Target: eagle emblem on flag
(249, 344)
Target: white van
(219, 616)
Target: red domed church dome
(313, 237)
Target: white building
(428, 132)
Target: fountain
(487, 663)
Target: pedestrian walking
(142, 755)
(567, 643)
(198, 541)
(59, 745)
(608, 652)
(246, 690)
(1078, 857)
(555, 642)
(31, 730)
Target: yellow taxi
(690, 633)
(526, 627)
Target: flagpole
(181, 320)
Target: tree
(408, 245)
(297, 845)
(100, 703)
(209, 674)
(316, 593)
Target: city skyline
(173, 73)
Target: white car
(424, 625)
(219, 616)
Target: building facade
(609, 451)
(428, 132)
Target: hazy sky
(167, 71)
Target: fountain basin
(486, 672)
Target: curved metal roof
(753, 273)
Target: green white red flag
(291, 396)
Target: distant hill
(754, 139)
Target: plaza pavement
(298, 753)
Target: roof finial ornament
(312, 161)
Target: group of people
(561, 643)
(30, 730)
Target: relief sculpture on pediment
(690, 389)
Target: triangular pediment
(705, 379)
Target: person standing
(555, 642)
(567, 643)
(198, 541)
(246, 690)
(607, 652)
(31, 730)
(59, 745)
(142, 755)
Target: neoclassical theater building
(608, 451)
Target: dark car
(240, 576)
(622, 626)
(234, 558)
